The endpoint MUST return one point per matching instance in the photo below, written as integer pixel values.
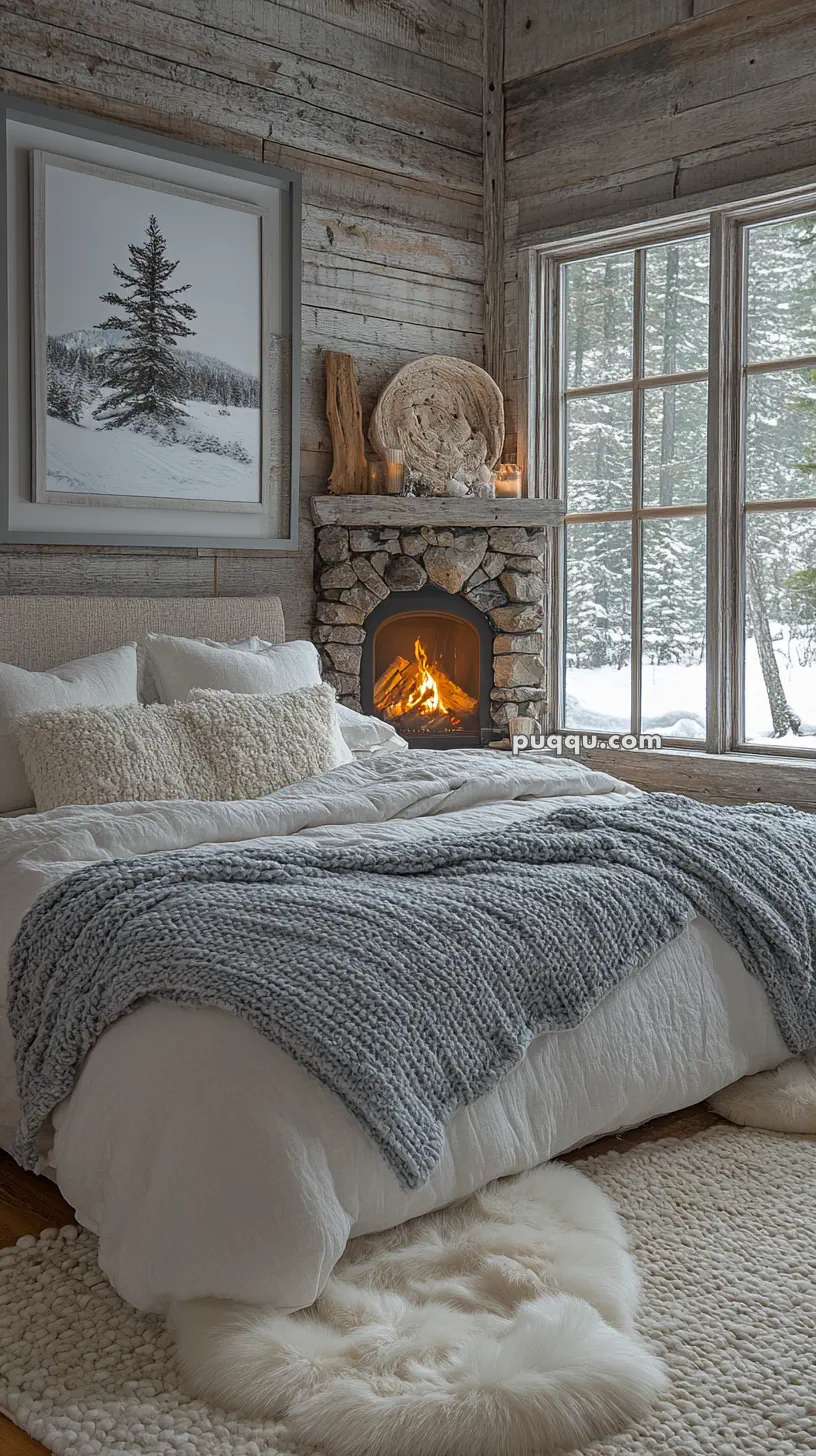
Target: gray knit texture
(410, 975)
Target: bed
(207, 1161)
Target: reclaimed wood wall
(379, 106)
(646, 108)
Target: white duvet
(210, 1163)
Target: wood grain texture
(542, 36)
(14, 1442)
(342, 234)
(67, 57)
(376, 194)
(728, 95)
(349, 468)
(403, 511)
(731, 778)
(209, 49)
(379, 107)
(328, 38)
(493, 149)
(448, 29)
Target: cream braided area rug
(722, 1227)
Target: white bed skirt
(210, 1163)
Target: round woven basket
(445, 414)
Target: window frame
(544, 453)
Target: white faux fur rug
(783, 1100)
(722, 1227)
(504, 1323)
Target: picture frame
(150, 355)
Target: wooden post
(349, 472)
(493, 143)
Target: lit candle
(507, 480)
(376, 477)
(394, 471)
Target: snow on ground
(85, 459)
(674, 697)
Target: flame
(426, 695)
(421, 690)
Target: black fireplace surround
(430, 599)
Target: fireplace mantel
(416, 511)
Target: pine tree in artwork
(66, 393)
(58, 395)
(144, 376)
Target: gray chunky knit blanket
(410, 976)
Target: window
(685, 588)
(779, 470)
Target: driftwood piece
(445, 414)
(349, 474)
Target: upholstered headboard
(41, 632)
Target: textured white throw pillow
(181, 665)
(362, 735)
(109, 678)
(215, 746)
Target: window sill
(725, 778)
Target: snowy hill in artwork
(211, 452)
(82, 342)
(214, 457)
(206, 378)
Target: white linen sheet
(210, 1163)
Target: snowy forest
(780, 465)
(129, 374)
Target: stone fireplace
(430, 611)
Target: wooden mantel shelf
(404, 510)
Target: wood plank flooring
(28, 1205)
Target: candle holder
(376, 477)
(394, 471)
(507, 480)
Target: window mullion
(723, 565)
(637, 483)
(556, 474)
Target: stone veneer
(402, 543)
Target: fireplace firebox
(426, 669)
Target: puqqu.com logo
(576, 743)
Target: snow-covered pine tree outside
(780, 455)
(135, 412)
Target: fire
(426, 695)
(421, 695)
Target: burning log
(390, 682)
(417, 694)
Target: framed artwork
(152, 339)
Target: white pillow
(182, 665)
(215, 746)
(362, 735)
(105, 680)
(365, 736)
